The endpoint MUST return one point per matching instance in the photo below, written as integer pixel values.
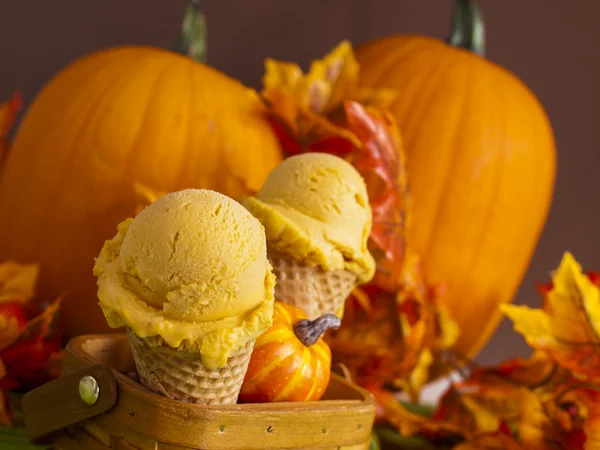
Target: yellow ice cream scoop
(315, 208)
(191, 269)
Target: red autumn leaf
(28, 358)
(536, 372)
(8, 116)
(28, 363)
(393, 339)
(381, 162)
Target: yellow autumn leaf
(568, 325)
(307, 104)
(17, 281)
(449, 331)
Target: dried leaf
(500, 440)
(33, 357)
(409, 423)
(568, 325)
(17, 281)
(558, 423)
(8, 116)
(9, 331)
(42, 326)
(536, 373)
(304, 106)
(393, 339)
(382, 163)
(480, 409)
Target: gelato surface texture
(315, 208)
(192, 269)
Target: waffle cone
(310, 288)
(180, 375)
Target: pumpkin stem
(467, 27)
(309, 331)
(192, 38)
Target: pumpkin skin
(481, 163)
(119, 116)
(284, 369)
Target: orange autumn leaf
(538, 372)
(8, 116)
(499, 440)
(409, 423)
(9, 331)
(567, 326)
(394, 339)
(17, 281)
(479, 409)
(382, 163)
(306, 104)
(42, 325)
(567, 421)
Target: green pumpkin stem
(192, 38)
(309, 331)
(468, 30)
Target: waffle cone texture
(310, 288)
(180, 375)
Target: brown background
(552, 45)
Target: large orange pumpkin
(481, 166)
(290, 361)
(124, 115)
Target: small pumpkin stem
(468, 30)
(192, 38)
(309, 331)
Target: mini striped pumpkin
(290, 361)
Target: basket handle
(342, 370)
(67, 400)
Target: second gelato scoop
(315, 208)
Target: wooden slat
(57, 404)
(142, 417)
(120, 444)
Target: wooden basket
(127, 416)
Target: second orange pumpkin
(481, 164)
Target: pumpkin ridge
(291, 384)
(428, 84)
(52, 206)
(260, 376)
(263, 376)
(51, 192)
(284, 314)
(387, 76)
(498, 175)
(321, 348)
(313, 387)
(183, 168)
(278, 331)
(142, 125)
(440, 199)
